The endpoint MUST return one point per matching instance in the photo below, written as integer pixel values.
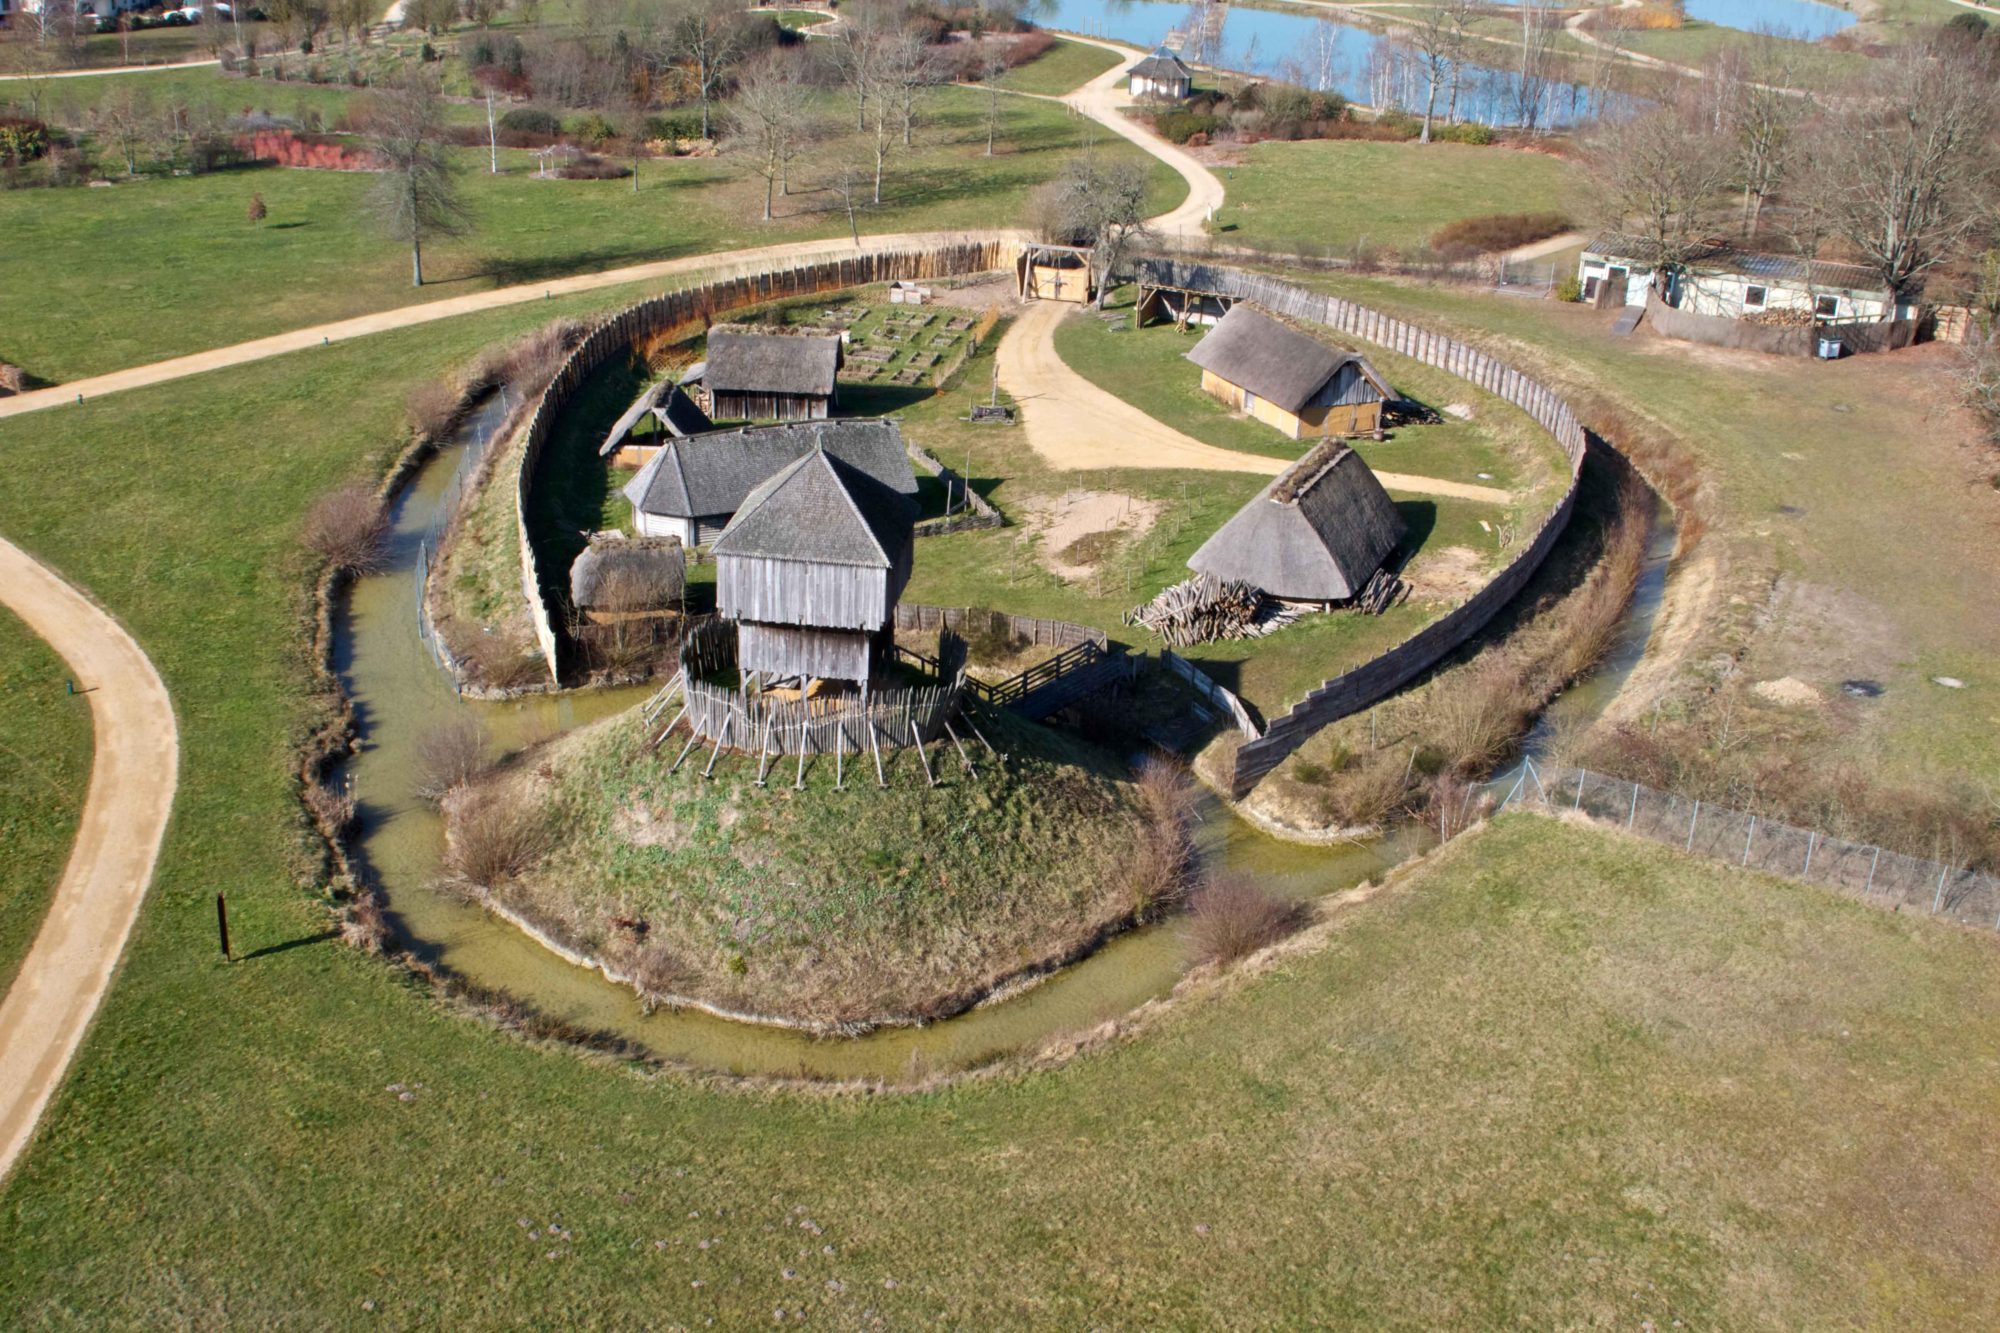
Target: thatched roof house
(690, 488)
(1317, 533)
(616, 577)
(1162, 74)
(770, 374)
(811, 568)
(1288, 380)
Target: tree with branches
(766, 119)
(1659, 175)
(417, 195)
(709, 36)
(1101, 205)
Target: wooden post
(922, 758)
(875, 744)
(727, 722)
(805, 739)
(764, 746)
(963, 758)
(839, 753)
(661, 738)
(222, 926)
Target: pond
(1318, 53)
(1807, 20)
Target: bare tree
(1101, 205)
(910, 69)
(1436, 42)
(123, 121)
(1761, 116)
(765, 120)
(1904, 166)
(992, 68)
(708, 34)
(1539, 29)
(417, 195)
(1659, 176)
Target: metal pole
(1577, 804)
(1869, 887)
(1939, 897)
(1812, 840)
(1749, 834)
(1633, 813)
(1692, 819)
(222, 926)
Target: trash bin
(1829, 349)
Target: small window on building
(1826, 307)
(1753, 297)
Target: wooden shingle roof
(709, 475)
(745, 360)
(1277, 363)
(821, 510)
(1317, 533)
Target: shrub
(1163, 857)
(592, 168)
(449, 756)
(1471, 132)
(590, 129)
(348, 528)
(1570, 288)
(492, 841)
(22, 139)
(257, 211)
(673, 125)
(1179, 126)
(1232, 916)
(429, 409)
(1496, 231)
(531, 120)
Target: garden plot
(902, 345)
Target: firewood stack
(1203, 609)
(1382, 591)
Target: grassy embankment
(157, 268)
(824, 907)
(1794, 577)
(1330, 196)
(1063, 68)
(44, 770)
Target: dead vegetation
(450, 756)
(494, 838)
(1231, 916)
(348, 528)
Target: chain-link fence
(1891, 879)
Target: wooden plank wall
(698, 305)
(957, 619)
(1374, 680)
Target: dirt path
(113, 69)
(1101, 100)
(1075, 425)
(134, 760)
(403, 317)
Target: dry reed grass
(492, 840)
(1231, 916)
(348, 528)
(450, 756)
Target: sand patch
(1788, 692)
(1449, 575)
(1079, 530)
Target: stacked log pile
(1203, 609)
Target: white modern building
(1734, 284)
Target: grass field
(1063, 68)
(1808, 588)
(1318, 196)
(1814, 65)
(44, 769)
(157, 268)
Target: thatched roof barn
(1161, 75)
(667, 403)
(1317, 533)
(1288, 380)
(769, 374)
(690, 488)
(617, 578)
(811, 568)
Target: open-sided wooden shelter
(678, 415)
(1316, 534)
(1288, 380)
(810, 570)
(1050, 272)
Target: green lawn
(157, 268)
(1812, 65)
(1808, 588)
(1063, 68)
(44, 770)
(1318, 196)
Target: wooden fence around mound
(1856, 336)
(693, 308)
(1389, 671)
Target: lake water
(1805, 19)
(1317, 53)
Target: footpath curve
(134, 763)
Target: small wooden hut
(810, 570)
(1161, 77)
(1288, 380)
(668, 404)
(1049, 272)
(619, 578)
(690, 488)
(768, 374)
(1316, 534)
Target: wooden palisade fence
(1382, 675)
(693, 308)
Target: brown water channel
(400, 692)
